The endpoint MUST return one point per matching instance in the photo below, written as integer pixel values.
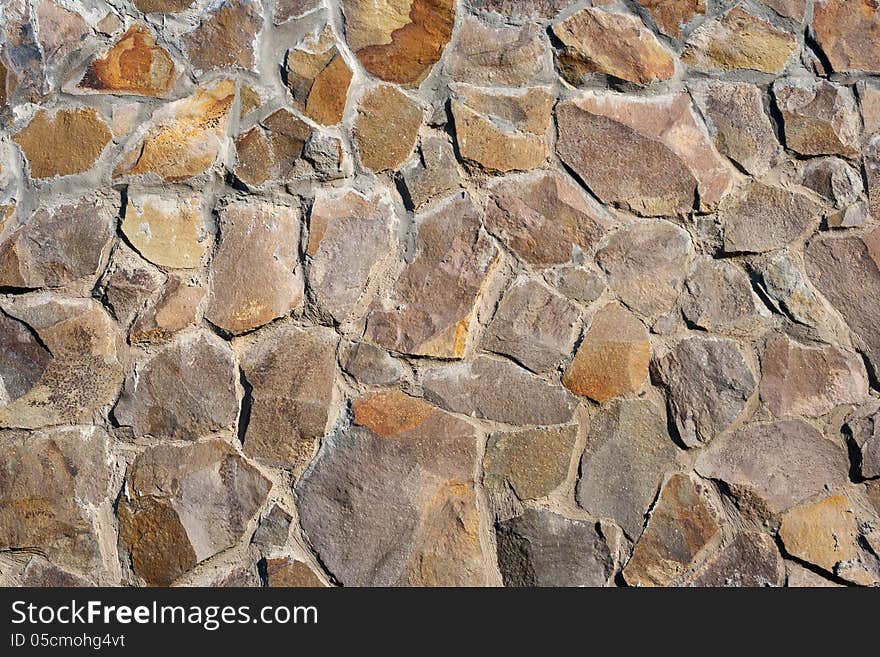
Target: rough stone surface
(273, 149)
(671, 15)
(135, 64)
(318, 77)
(176, 309)
(822, 533)
(386, 128)
(432, 175)
(751, 560)
(848, 31)
(46, 141)
(167, 230)
(483, 54)
(371, 365)
(533, 462)
(820, 118)
(719, 298)
(225, 36)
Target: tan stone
(129, 283)
(271, 150)
(59, 30)
(289, 573)
(848, 31)
(226, 36)
(822, 533)
(820, 118)
(168, 230)
(318, 77)
(534, 462)
(794, 9)
(175, 310)
(288, 9)
(483, 54)
(135, 64)
(63, 142)
(670, 15)
(766, 218)
(162, 6)
(386, 128)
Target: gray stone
(750, 560)
(273, 529)
(24, 359)
(835, 180)
(719, 298)
(534, 462)
(432, 175)
(820, 118)
(766, 218)
(577, 283)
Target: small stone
(578, 284)
(124, 119)
(256, 274)
(502, 132)
(167, 229)
(766, 218)
(835, 180)
(273, 529)
(719, 298)
(534, 462)
(318, 77)
(868, 92)
(41, 574)
(848, 31)
(532, 325)
(135, 64)
(671, 15)
(60, 31)
(271, 150)
(822, 533)
(287, 9)
(184, 504)
(772, 467)
(371, 365)
(129, 283)
(289, 376)
(432, 175)
(871, 165)
(386, 128)
(184, 136)
(391, 500)
(683, 523)
(110, 24)
(865, 432)
(59, 245)
(289, 573)
(176, 309)
(544, 219)
(751, 560)
(431, 304)
(794, 9)
(225, 37)
(403, 40)
(63, 142)
(24, 359)
(613, 357)
(488, 55)
(811, 381)
(820, 118)
(618, 45)
(647, 263)
(628, 451)
(250, 99)
(497, 390)
(739, 40)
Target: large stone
(58, 245)
(183, 138)
(432, 175)
(542, 548)
(766, 218)
(176, 309)
(848, 31)
(184, 504)
(318, 77)
(812, 381)
(612, 359)
(628, 451)
(618, 45)
(256, 273)
(772, 467)
(533, 462)
(289, 573)
(399, 40)
(822, 533)
(226, 36)
(598, 131)
(719, 298)
(751, 560)
(647, 264)
(431, 305)
(834, 179)
(391, 500)
(544, 219)
(272, 150)
(671, 15)
(185, 391)
(386, 128)
(534, 326)
(820, 118)
(63, 142)
(684, 523)
(488, 55)
(498, 390)
(289, 378)
(709, 385)
(24, 359)
(167, 229)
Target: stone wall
(439, 292)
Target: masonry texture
(440, 292)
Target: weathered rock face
(671, 15)
(176, 309)
(822, 533)
(287, 573)
(533, 462)
(168, 230)
(848, 33)
(225, 37)
(318, 77)
(519, 10)
(865, 431)
(373, 524)
(386, 128)
(719, 298)
(432, 175)
(749, 561)
(46, 141)
(274, 149)
(483, 54)
(371, 365)
(820, 118)
(135, 64)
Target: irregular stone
(250, 99)
(577, 283)
(129, 283)
(628, 451)
(683, 524)
(24, 359)
(185, 391)
(800, 577)
(835, 180)
(271, 150)
(324, 158)
(432, 175)
(544, 219)
(289, 573)
(822, 533)
(488, 55)
(751, 560)
(765, 219)
(497, 390)
(719, 298)
(24, 65)
(534, 462)
(41, 574)
(386, 128)
(797, 380)
(431, 304)
(349, 235)
(225, 37)
(742, 129)
(613, 356)
(391, 501)
(848, 31)
(63, 142)
(167, 229)
(709, 385)
(124, 119)
(371, 365)
(84, 374)
(287, 9)
(60, 31)
(110, 24)
(646, 265)
(502, 132)
(871, 164)
(184, 504)
(399, 40)
(175, 310)
(256, 276)
(54, 495)
(596, 132)
(289, 376)
(521, 10)
(820, 118)
(868, 92)
(774, 466)
(618, 45)
(794, 9)
(854, 216)
(318, 77)
(739, 40)
(135, 64)
(162, 6)
(59, 245)
(274, 528)
(865, 432)
(671, 15)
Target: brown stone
(167, 229)
(794, 9)
(848, 31)
(289, 573)
(432, 175)
(871, 163)
(162, 6)
(533, 462)
(135, 64)
(129, 283)
(671, 15)
(176, 309)
(40, 573)
(868, 92)
(274, 528)
(63, 142)
(618, 45)
(318, 77)
(719, 298)
(820, 118)
(256, 273)
(226, 36)
(834, 179)
(577, 283)
(750, 560)
(24, 359)
(823, 533)
(371, 365)
(287, 9)
(386, 128)
(59, 30)
(488, 55)
(521, 10)
(271, 150)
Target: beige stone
(822, 533)
(63, 142)
(848, 31)
(318, 77)
(167, 229)
(386, 128)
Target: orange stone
(63, 142)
